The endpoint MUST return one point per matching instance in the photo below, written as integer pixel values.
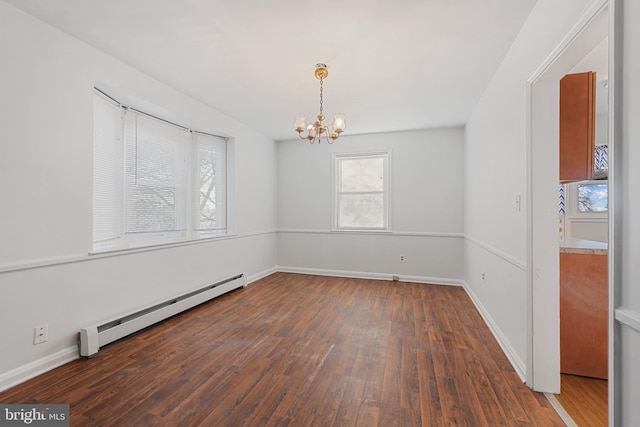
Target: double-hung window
(361, 191)
(154, 182)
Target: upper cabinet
(577, 126)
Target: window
(593, 197)
(154, 182)
(361, 191)
(585, 199)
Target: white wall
(495, 173)
(46, 275)
(426, 219)
(588, 229)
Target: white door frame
(543, 289)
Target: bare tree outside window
(593, 197)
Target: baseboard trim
(37, 367)
(560, 410)
(260, 275)
(503, 342)
(369, 275)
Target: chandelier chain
(321, 90)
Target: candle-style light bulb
(339, 123)
(301, 123)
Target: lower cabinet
(583, 314)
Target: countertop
(582, 246)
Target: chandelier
(316, 130)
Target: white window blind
(155, 182)
(108, 171)
(361, 191)
(156, 166)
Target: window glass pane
(362, 174)
(593, 197)
(361, 211)
(207, 187)
(211, 198)
(361, 191)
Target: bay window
(154, 182)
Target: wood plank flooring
(298, 350)
(585, 400)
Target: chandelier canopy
(317, 130)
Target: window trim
(335, 156)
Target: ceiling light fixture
(317, 129)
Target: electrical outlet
(483, 276)
(402, 259)
(40, 334)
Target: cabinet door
(583, 314)
(577, 126)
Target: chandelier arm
(307, 136)
(331, 138)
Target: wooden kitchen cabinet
(577, 126)
(583, 314)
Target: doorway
(543, 266)
(583, 213)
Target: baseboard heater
(95, 336)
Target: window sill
(360, 231)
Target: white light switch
(518, 202)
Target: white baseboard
(369, 275)
(560, 410)
(37, 367)
(503, 342)
(260, 275)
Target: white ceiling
(394, 65)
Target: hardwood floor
(584, 399)
(297, 350)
